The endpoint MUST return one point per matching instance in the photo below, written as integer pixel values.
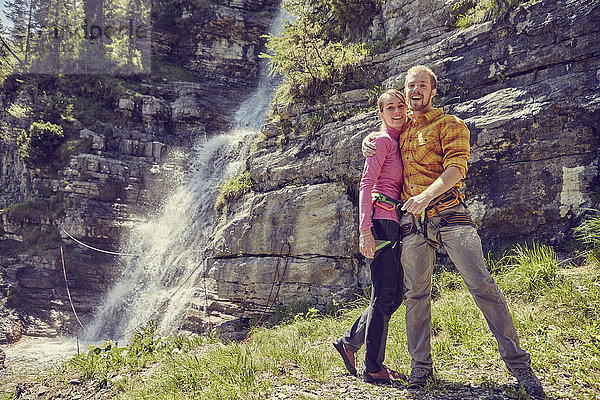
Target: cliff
(525, 84)
(126, 145)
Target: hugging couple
(410, 204)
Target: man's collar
(433, 114)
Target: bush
(39, 143)
(314, 54)
(588, 233)
(469, 12)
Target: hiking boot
(529, 380)
(418, 378)
(347, 356)
(385, 376)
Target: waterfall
(167, 249)
(253, 110)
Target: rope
(270, 300)
(95, 248)
(270, 303)
(115, 253)
(206, 310)
(204, 258)
(68, 291)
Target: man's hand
(368, 147)
(416, 204)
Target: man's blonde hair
(421, 68)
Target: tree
(314, 53)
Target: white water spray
(158, 282)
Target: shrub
(469, 12)
(40, 142)
(314, 54)
(589, 234)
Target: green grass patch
(470, 12)
(232, 190)
(559, 328)
(555, 307)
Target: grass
(466, 13)
(232, 190)
(556, 310)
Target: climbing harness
(443, 201)
(387, 203)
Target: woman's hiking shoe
(418, 378)
(529, 380)
(347, 356)
(385, 376)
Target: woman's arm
(371, 172)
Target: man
(434, 150)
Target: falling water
(168, 248)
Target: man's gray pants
(463, 245)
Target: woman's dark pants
(371, 327)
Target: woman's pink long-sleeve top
(382, 174)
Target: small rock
(42, 390)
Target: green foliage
(445, 280)
(232, 190)
(54, 107)
(315, 122)
(470, 12)
(588, 233)
(313, 53)
(36, 208)
(528, 271)
(29, 217)
(37, 144)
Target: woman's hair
(383, 96)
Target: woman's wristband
(362, 235)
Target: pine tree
(20, 14)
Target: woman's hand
(366, 243)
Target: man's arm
(368, 147)
(416, 204)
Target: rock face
(525, 84)
(534, 135)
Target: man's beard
(421, 104)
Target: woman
(382, 175)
